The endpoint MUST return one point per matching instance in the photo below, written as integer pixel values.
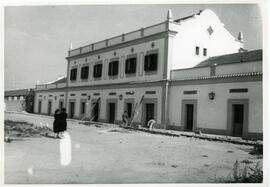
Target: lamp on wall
(211, 95)
(120, 96)
(89, 97)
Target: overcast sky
(37, 38)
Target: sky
(37, 38)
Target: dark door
(71, 109)
(49, 108)
(61, 104)
(111, 112)
(95, 112)
(150, 108)
(189, 116)
(238, 119)
(39, 107)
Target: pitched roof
(248, 56)
(12, 93)
(62, 80)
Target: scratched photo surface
(131, 94)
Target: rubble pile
(19, 129)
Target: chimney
(169, 15)
(240, 38)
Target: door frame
(72, 101)
(230, 119)
(149, 101)
(39, 107)
(115, 101)
(183, 113)
(49, 101)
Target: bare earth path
(113, 155)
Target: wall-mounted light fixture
(89, 97)
(120, 97)
(211, 95)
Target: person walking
(56, 123)
(63, 121)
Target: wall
(45, 96)
(193, 32)
(212, 114)
(104, 95)
(140, 49)
(14, 105)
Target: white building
(158, 72)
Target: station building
(186, 74)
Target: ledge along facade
(187, 74)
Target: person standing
(63, 120)
(125, 119)
(57, 123)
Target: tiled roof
(221, 76)
(12, 93)
(248, 56)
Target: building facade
(143, 72)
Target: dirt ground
(109, 154)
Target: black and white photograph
(134, 93)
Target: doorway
(71, 109)
(189, 116)
(111, 112)
(95, 111)
(150, 109)
(49, 108)
(238, 119)
(39, 107)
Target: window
(73, 74)
(84, 72)
(130, 65)
(97, 70)
(82, 107)
(150, 62)
(204, 52)
(197, 51)
(113, 68)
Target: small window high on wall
(197, 50)
(204, 52)
(150, 62)
(97, 70)
(84, 72)
(73, 74)
(130, 65)
(113, 68)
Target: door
(189, 116)
(49, 108)
(39, 107)
(150, 108)
(61, 104)
(71, 109)
(95, 112)
(238, 119)
(111, 112)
